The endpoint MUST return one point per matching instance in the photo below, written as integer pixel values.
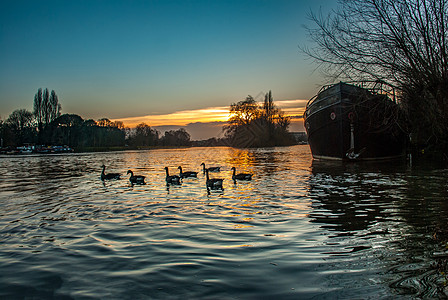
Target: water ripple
(299, 229)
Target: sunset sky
(179, 63)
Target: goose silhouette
(213, 183)
(210, 169)
(171, 178)
(108, 176)
(139, 179)
(240, 176)
(187, 173)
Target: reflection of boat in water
(355, 197)
(347, 122)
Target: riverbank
(66, 149)
(124, 148)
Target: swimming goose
(187, 173)
(240, 176)
(211, 169)
(213, 183)
(136, 178)
(171, 178)
(110, 175)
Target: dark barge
(348, 122)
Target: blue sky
(124, 59)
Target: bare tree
(55, 106)
(46, 107)
(269, 107)
(20, 119)
(21, 123)
(38, 109)
(403, 43)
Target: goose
(213, 183)
(110, 175)
(186, 174)
(136, 178)
(171, 178)
(211, 169)
(240, 176)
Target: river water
(300, 229)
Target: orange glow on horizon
(206, 115)
(180, 118)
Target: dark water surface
(299, 230)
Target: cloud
(207, 122)
(285, 104)
(197, 130)
(292, 108)
(180, 118)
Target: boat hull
(353, 127)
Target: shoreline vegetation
(46, 130)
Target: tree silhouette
(54, 108)
(253, 125)
(46, 108)
(143, 135)
(178, 137)
(65, 130)
(20, 125)
(104, 122)
(403, 44)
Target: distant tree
(72, 130)
(178, 137)
(401, 43)
(253, 125)
(143, 135)
(118, 124)
(104, 122)
(3, 131)
(54, 109)
(39, 108)
(69, 120)
(46, 107)
(88, 134)
(64, 130)
(244, 112)
(20, 119)
(90, 123)
(269, 109)
(21, 127)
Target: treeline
(46, 126)
(144, 135)
(252, 124)
(74, 131)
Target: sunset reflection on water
(298, 229)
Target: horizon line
(293, 108)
